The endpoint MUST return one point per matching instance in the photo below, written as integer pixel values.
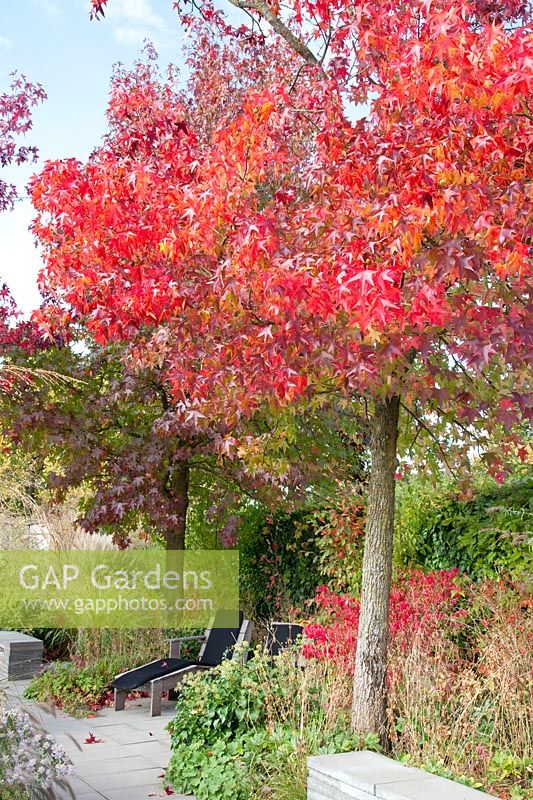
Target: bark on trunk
(175, 539)
(369, 699)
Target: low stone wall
(364, 775)
(21, 655)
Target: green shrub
(284, 557)
(340, 543)
(215, 715)
(239, 729)
(483, 536)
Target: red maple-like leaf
(91, 739)
(97, 8)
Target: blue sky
(54, 43)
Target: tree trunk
(179, 490)
(370, 700)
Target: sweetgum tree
(392, 263)
(120, 432)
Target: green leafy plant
(278, 561)
(241, 728)
(508, 766)
(215, 715)
(284, 557)
(75, 689)
(340, 539)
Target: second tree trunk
(179, 491)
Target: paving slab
(125, 735)
(128, 761)
(134, 778)
(109, 766)
(141, 794)
(76, 788)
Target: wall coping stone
(16, 637)
(373, 775)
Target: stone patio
(129, 761)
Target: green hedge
(278, 561)
(483, 536)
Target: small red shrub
(421, 605)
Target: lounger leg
(156, 695)
(120, 699)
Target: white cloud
(139, 12)
(49, 7)
(130, 36)
(5, 42)
(134, 21)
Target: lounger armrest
(175, 644)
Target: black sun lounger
(164, 674)
(282, 635)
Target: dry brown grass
(311, 700)
(465, 706)
(131, 646)
(459, 701)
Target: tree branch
(432, 436)
(262, 8)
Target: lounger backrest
(281, 635)
(220, 640)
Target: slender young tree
(393, 262)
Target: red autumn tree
(393, 264)
(119, 430)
